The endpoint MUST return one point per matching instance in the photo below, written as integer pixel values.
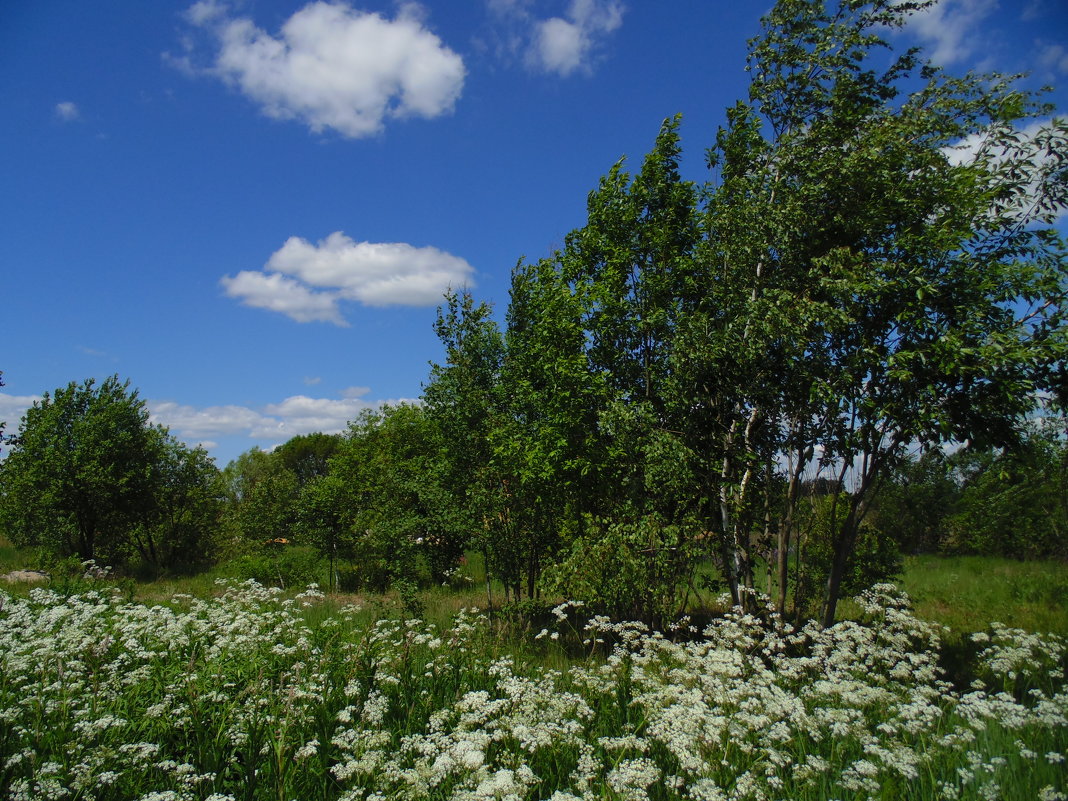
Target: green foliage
(286, 495)
(876, 556)
(1000, 502)
(917, 500)
(844, 287)
(398, 521)
(90, 477)
(181, 532)
(263, 496)
(78, 479)
(542, 449)
(632, 571)
(1013, 502)
(464, 406)
(897, 329)
(308, 456)
(283, 566)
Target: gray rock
(25, 576)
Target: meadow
(240, 691)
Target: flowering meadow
(252, 695)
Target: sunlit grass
(968, 593)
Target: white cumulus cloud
(281, 294)
(334, 67)
(301, 414)
(566, 44)
(12, 410)
(307, 281)
(214, 421)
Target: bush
(630, 570)
(875, 558)
(280, 566)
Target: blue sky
(250, 208)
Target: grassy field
(966, 593)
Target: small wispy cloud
(952, 30)
(1054, 58)
(307, 282)
(67, 111)
(331, 66)
(565, 44)
(97, 354)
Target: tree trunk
(486, 572)
(843, 548)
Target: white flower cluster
(238, 696)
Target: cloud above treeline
(307, 282)
(298, 414)
(331, 66)
(271, 424)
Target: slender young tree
(463, 399)
(542, 446)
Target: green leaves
(91, 477)
(865, 270)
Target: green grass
(968, 593)
(14, 558)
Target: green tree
(465, 405)
(400, 521)
(1014, 501)
(322, 521)
(591, 428)
(923, 293)
(871, 267)
(545, 445)
(91, 477)
(262, 498)
(307, 456)
(917, 501)
(179, 530)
